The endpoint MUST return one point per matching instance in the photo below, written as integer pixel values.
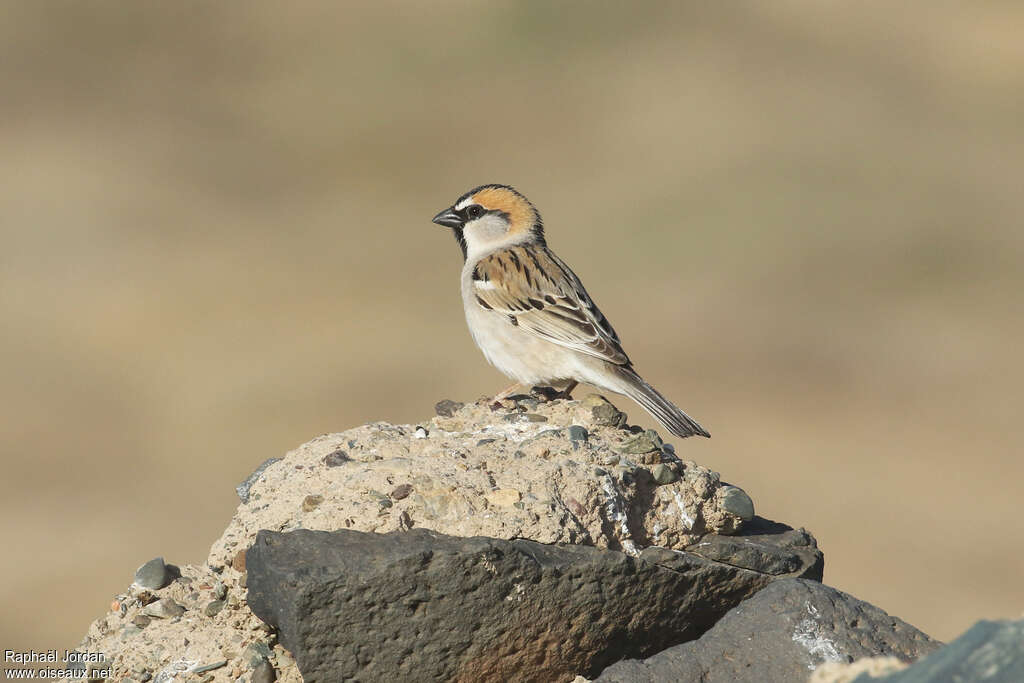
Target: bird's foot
(553, 394)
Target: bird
(529, 313)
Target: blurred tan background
(803, 218)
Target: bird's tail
(663, 410)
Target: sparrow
(530, 314)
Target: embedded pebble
(401, 491)
(447, 407)
(503, 497)
(664, 474)
(153, 575)
(578, 435)
(336, 458)
(255, 653)
(213, 608)
(209, 667)
(420, 433)
(604, 413)
(264, 673)
(639, 444)
(524, 418)
(311, 502)
(245, 487)
(164, 609)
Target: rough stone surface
(167, 649)
(990, 651)
(440, 607)
(599, 491)
(766, 547)
(781, 634)
(845, 672)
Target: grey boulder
(781, 634)
(990, 651)
(426, 606)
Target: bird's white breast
(523, 356)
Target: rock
(846, 672)
(401, 492)
(664, 474)
(578, 435)
(255, 653)
(164, 608)
(154, 575)
(311, 502)
(736, 501)
(209, 667)
(466, 458)
(768, 548)
(603, 413)
(264, 673)
(638, 444)
(213, 608)
(439, 607)
(238, 560)
(519, 418)
(543, 484)
(447, 408)
(503, 497)
(780, 635)
(990, 651)
(336, 458)
(245, 487)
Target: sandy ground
(804, 221)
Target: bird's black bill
(449, 218)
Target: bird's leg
(551, 393)
(566, 393)
(505, 393)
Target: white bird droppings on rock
(814, 638)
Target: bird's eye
(474, 211)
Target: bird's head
(492, 216)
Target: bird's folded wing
(540, 294)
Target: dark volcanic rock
(990, 651)
(767, 547)
(780, 635)
(422, 605)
